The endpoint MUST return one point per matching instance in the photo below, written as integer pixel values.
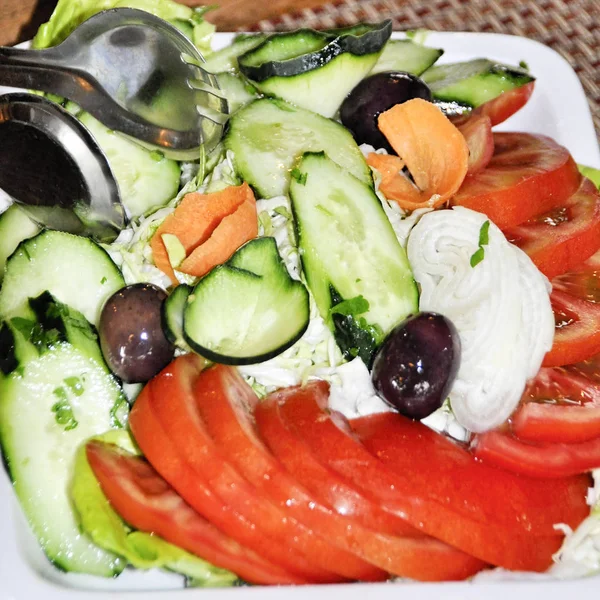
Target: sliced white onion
(500, 307)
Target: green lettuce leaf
(591, 173)
(141, 550)
(68, 14)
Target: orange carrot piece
(194, 220)
(233, 231)
(432, 148)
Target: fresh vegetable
(543, 460)
(172, 315)
(592, 174)
(247, 310)
(226, 59)
(131, 334)
(237, 90)
(15, 226)
(406, 56)
(474, 82)
(75, 270)
(315, 70)
(340, 222)
(527, 176)
(434, 152)
(477, 132)
(561, 239)
(415, 368)
(226, 404)
(193, 223)
(374, 95)
(60, 394)
(268, 135)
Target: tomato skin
(507, 104)
(283, 541)
(440, 488)
(559, 246)
(159, 450)
(477, 132)
(225, 402)
(578, 340)
(419, 557)
(543, 460)
(527, 176)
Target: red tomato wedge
(441, 489)
(505, 518)
(423, 558)
(148, 503)
(561, 404)
(477, 132)
(527, 176)
(159, 450)
(565, 237)
(288, 543)
(536, 460)
(225, 402)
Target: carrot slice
(194, 220)
(432, 148)
(233, 231)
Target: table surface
(571, 27)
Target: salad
(358, 342)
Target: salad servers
(52, 166)
(135, 73)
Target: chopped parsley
(353, 306)
(75, 385)
(63, 413)
(484, 240)
(299, 176)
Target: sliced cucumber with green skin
(44, 418)
(473, 82)
(75, 270)
(239, 316)
(406, 56)
(147, 180)
(15, 226)
(172, 315)
(226, 59)
(349, 250)
(268, 135)
(314, 70)
(237, 90)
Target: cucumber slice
(15, 226)
(147, 180)
(268, 135)
(44, 418)
(237, 90)
(172, 315)
(473, 82)
(350, 254)
(75, 270)
(238, 316)
(407, 56)
(314, 70)
(226, 59)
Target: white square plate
(559, 109)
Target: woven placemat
(571, 27)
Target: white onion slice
(500, 307)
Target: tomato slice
(289, 543)
(527, 176)
(536, 460)
(565, 237)
(159, 450)
(506, 104)
(477, 132)
(148, 503)
(441, 489)
(225, 402)
(561, 404)
(416, 556)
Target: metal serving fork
(135, 73)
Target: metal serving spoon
(135, 73)
(52, 166)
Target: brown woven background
(571, 27)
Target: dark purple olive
(131, 335)
(375, 95)
(417, 363)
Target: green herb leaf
(23, 326)
(63, 413)
(299, 176)
(477, 257)
(353, 306)
(524, 65)
(75, 385)
(484, 234)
